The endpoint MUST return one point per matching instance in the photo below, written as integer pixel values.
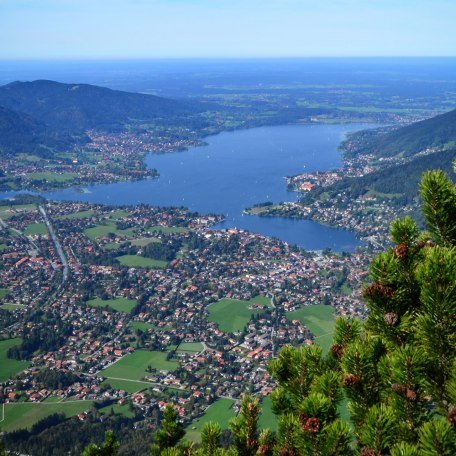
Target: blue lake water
(234, 171)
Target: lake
(234, 171)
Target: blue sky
(225, 28)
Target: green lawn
(118, 304)
(78, 215)
(100, 230)
(36, 228)
(25, 414)
(130, 386)
(9, 367)
(267, 418)
(319, 319)
(134, 365)
(142, 325)
(168, 229)
(190, 347)
(231, 315)
(220, 411)
(137, 261)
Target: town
(152, 306)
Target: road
(57, 245)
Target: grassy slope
(25, 414)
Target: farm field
(319, 319)
(220, 411)
(134, 365)
(231, 315)
(8, 366)
(36, 228)
(118, 304)
(25, 414)
(137, 261)
(99, 231)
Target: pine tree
(108, 448)
(171, 431)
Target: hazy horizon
(204, 29)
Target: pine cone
(337, 350)
(398, 388)
(391, 318)
(378, 290)
(411, 395)
(350, 380)
(368, 452)
(401, 250)
(452, 415)
(423, 244)
(311, 425)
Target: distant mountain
(436, 132)
(21, 133)
(80, 107)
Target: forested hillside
(436, 132)
(398, 183)
(79, 107)
(21, 133)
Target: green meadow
(52, 177)
(22, 415)
(220, 411)
(102, 230)
(190, 347)
(9, 367)
(168, 229)
(134, 365)
(267, 418)
(137, 261)
(78, 215)
(118, 304)
(130, 386)
(319, 319)
(232, 315)
(35, 228)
